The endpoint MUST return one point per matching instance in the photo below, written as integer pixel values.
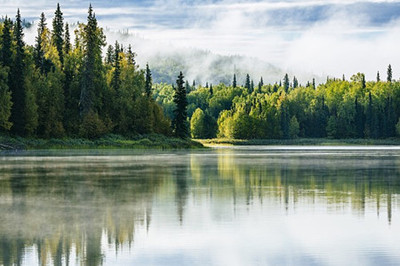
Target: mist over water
(225, 206)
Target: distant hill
(203, 66)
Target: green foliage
(5, 101)
(180, 126)
(92, 126)
(294, 128)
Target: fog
(263, 38)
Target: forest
(86, 89)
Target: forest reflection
(66, 209)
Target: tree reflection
(68, 209)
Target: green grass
(301, 141)
(152, 141)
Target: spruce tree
(110, 55)
(247, 84)
(116, 78)
(58, 32)
(260, 84)
(5, 43)
(286, 83)
(39, 46)
(234, 84)
(313, 83)
(378, 78)
(180, 113)
(389, 73)
(67, 40)
(131, 56)
(363, 84)
(148, 83)
(251, 86)
(92, 78)
(17, 80)
(295, 83)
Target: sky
(328, 37)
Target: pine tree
(286, 83)
(92, 78)
(180, 113)
(148, 83)
(58, 32)
(295, 83)
(234, 84)
(116, 78)
(378, 78)
(389, 73)
(110, 55)
(247, 84)
(211, 90)
(260, 85)
(39, 46)
(131, 56)
(363, 83)
(313, 83)
(67, 40)
(251, 86)
(17, 80)
(5, 43)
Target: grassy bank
(107, 142)
(301, 141)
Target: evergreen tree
(260, 84)
(92, 78)
(148, 84)
(58, 32)
(363, 83)
(343, 78)
(211, 90)
(234, 84)
(131, 56)
(251, 86)
(67, 40)
(110, 55)
(17, 80)
(286, 83)
(5, 43)
(180, 113)
(116, 79)
(378, 78)
(313, 83)
(247, 84)
(39, 46)
(389, 73)
(295, 83)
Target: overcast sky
(324, 37)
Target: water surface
(263, 205)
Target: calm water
(226, 206)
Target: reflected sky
(225, 206)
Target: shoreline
(298, 142)
(108, 142)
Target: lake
(260, 205)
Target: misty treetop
(56, 88)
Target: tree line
(338, 108)
(56, 88)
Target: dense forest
(57, 89)
(339, 108)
